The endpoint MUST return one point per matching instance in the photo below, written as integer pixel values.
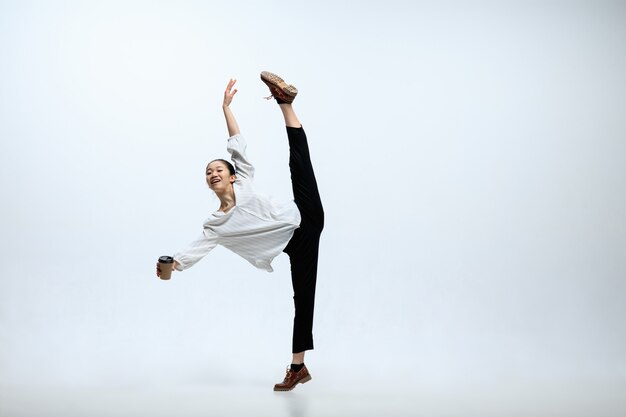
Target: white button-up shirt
(257, 228)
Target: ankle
(297, 367)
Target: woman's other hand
(229, 93)
(231, 122)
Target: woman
(258, 229)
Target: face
(218, 177)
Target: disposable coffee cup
(166, 264)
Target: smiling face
(219, 177)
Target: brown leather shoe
(292, 379)
(281, 91)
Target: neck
(227, 200)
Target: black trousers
(303, 248)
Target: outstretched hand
(229, 93)
(158, 268)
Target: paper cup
(166, 264)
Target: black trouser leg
(303, 278)
(303, 248)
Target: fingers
(230, 85)
(229, 93)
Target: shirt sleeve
(196, 250)
(237, 149)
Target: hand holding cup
(165, 266)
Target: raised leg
(291, 120)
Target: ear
(233, 178)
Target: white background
(471, 158)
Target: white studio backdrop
(471, 159)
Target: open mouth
(214, 180)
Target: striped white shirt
(257, 228)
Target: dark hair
(231, 168)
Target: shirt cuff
(180, 266)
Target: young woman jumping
(258, 229)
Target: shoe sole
(302, 381)
(272, 79)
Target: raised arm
(231, 122)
